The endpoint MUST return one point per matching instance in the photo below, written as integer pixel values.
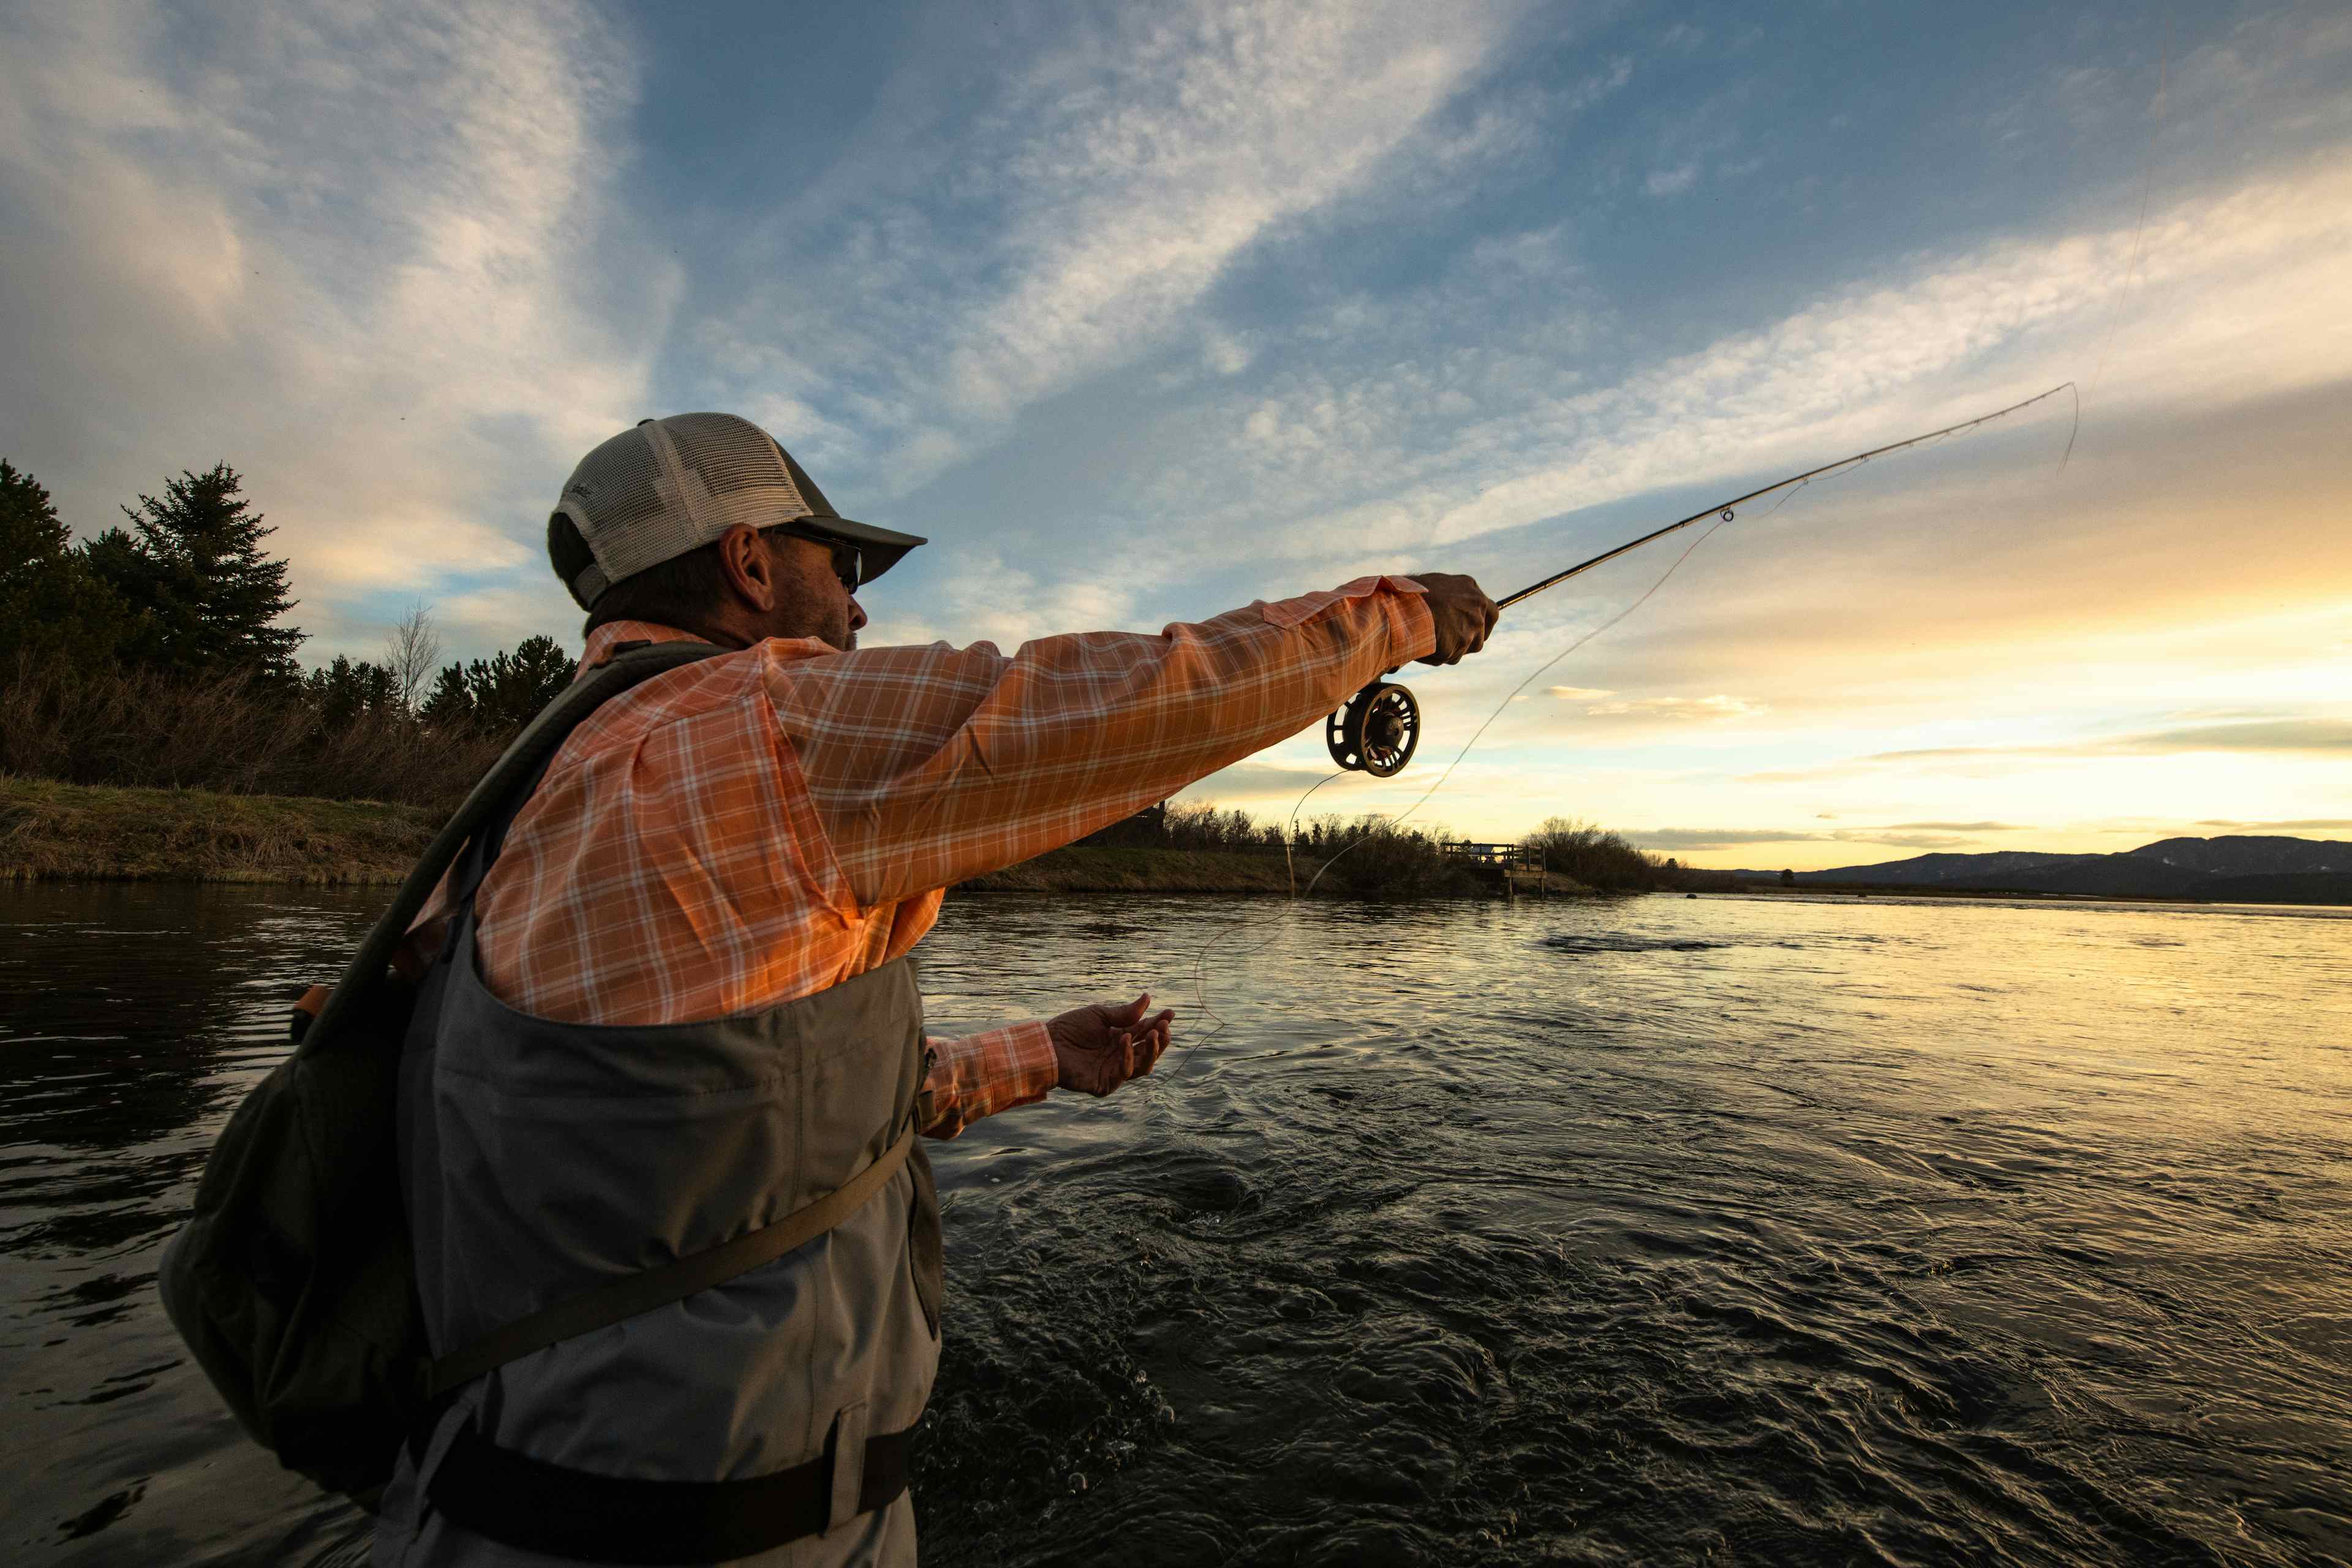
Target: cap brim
(878, 549)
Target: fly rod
(1376, 729)
(1723, 510)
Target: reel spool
(1375, 732)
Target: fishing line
(1720, 514)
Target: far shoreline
(55, 832)
(52, 831)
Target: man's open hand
(1463, 615)
(1101, 1046)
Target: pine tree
(50, 600)
(342, 691)
(448, 706)
(502, 693)
(196, 571)
(508, 689)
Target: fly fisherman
(673, 1005)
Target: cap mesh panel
(739, 465)
(616, 490)
(634, 513)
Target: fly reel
(1375, 731)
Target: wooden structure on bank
(1518, 863)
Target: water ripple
(1768, 1229)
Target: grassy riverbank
(53, 832)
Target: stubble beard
(810, 610)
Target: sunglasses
(847, 563)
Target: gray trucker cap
(673, 485)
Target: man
(671, 1006)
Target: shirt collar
(612, 634)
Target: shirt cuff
(1416, 628)
(976, 1076)
(1412, 630)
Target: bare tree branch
(410, 650)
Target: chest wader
(642, 1372)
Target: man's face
(811, 599)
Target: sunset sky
(1144, 311)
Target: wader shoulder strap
(625, 1299)
(525, 757)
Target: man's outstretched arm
(928, 765)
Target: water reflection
(1783, 1229)
(132, 1017)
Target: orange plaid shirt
(760, 826)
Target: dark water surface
(1728, 1230)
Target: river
(1734, 1229)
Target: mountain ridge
(2238, 867)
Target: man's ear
(750, 570)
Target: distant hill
(2237, 869)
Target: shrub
(1372, 857)
(238, 732)
(1596, 859)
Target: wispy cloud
(1736, 837)
(1672, 181)
(2311, 735)
(1121, 172)
(991, 600)
(1894, 344)
(1907, 840)
(2266, 735)
(1685, 709)
(1596, 702)
(1266, 786)
(358, 254)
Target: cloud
(2321, 736)
(1686, 708)
(2293, 824)
(356, 253)
(1672, 181)
(1729, 408)
(1598, 702)
(1122, 170)
(1419, 423)
(1731, 838)
(1904, 841)
(988, 599)
(2267, 735)
(1718, 837)
(1256, 782)
(1967, 827)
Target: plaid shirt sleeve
(927, 765)
(760, 825)
(979, 1074)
